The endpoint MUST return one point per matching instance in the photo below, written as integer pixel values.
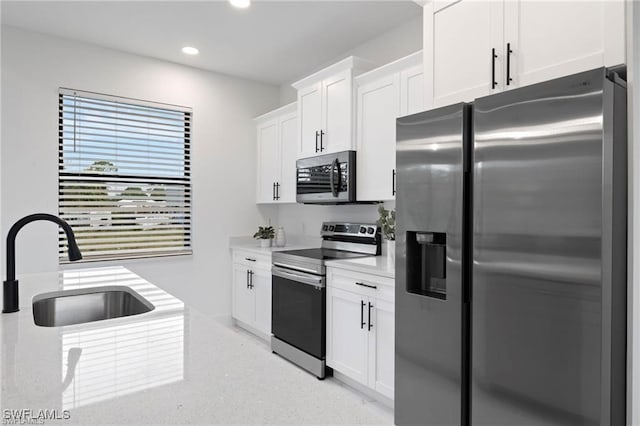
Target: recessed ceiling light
(241, 4)
(190, 50)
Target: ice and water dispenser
(426, 263)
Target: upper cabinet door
(460, 41)
(337, 113)
(550, 39)
(310, 113)
(289, 151)
(378, 108)
(268, 161)
(412, 91)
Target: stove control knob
(331, 228)
(363, 230)
(370, 230)
(325, 227)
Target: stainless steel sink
(68, 307)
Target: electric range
(299, 291)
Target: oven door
(298, 311)
(326, 178)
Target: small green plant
(387, 222)
(264, 233)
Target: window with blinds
(124, 176)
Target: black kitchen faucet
(10, 288)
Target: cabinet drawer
(365, 284)
(252, 259)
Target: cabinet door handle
(321, 135)
(250, 279)
(247, 278)
(273, 191)
(370, 326)
(362, 323)
(393, 182)
(366, 285)
(509, 52)
(317, 134)
(249, 259)
(494, 83)
(277, 190)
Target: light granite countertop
(377, 265)
(172, 365)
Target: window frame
(183, 182)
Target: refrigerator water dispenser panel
(426, 264)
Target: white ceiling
(272, 41)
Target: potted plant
(264, 234)
(387, 222)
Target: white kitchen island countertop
(377, 265)
(172, 365)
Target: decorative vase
(391, 251)
(265, 242)
(281, 238)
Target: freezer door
(429, 157)
(542, 245)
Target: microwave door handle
(334, 188)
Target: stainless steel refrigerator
(511, 257)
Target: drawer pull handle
(366, 285)
(249, 259)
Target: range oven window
(298, 315)
(317, 179)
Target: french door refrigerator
(511, 257)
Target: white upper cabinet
(288, 155)
(552, 39)
(268, 160)
(412, 89)
(326, 108)
(337, 113)
(277, 139)
(476, 48)
(383, 95)
(460, 39)
(310, 112)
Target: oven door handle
(312, 280)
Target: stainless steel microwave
(327, 178)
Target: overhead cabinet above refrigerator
(511, 257)
(477, 48)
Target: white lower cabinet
(347, 336)
(251, 292)
(382, 346)
(360, 328)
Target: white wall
(394, 44)
(306, 219)
(34, 66)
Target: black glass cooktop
(325, 254)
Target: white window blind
(124, 181)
